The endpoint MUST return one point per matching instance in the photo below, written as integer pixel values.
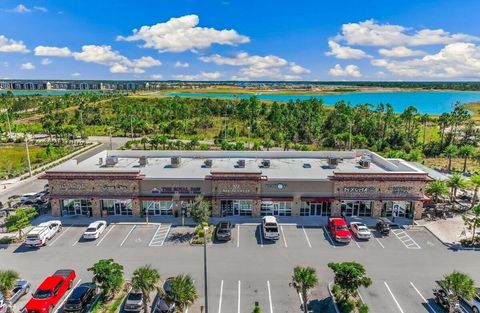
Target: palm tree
(450, 152)
(475, 183)
(424, 119)
(145, 279)
(267, 143)
(459, 285)
(455, 182)
(304, 279)
(473, 222)
(183, 292)
(436, 189)
(466, 151)
(7, 282)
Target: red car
(339, 230)
(50, 291)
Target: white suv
(270, 228)
(42, 233)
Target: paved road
(249, 269)
(36, 185)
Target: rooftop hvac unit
(332, 162)
(143, 161)
(208, 163)
(100, 161)
(364, 163)
(241, 163)
(266, 163)
(111, 160)
(175, 161)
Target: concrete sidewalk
(449, 231)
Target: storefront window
(77, 207)
(117, 207)
(398, 209)
(316, 209)
(236, 207)
(157, 207)
(282, 208)
(356, 208)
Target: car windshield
(32, 237)
(341, 227)
(272, 229)
(91, 230)
(42, 294)
(135, 296)
(363, 229)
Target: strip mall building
(247, 183)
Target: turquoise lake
(432, 102)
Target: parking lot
(403, 265)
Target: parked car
(223, 231)
(50, 291)
(21, 288)
(167, 287)
(474, 304)
(441, 298)
(81, 298)
(161, 305)
(94, 230)
(42, 233)
(339, 230)
(383, 226)
(28, 196)
(270, 228)
(360, 230)
(134, 301)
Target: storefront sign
(235, 188)
(72, 187)
(179, 190)
(400, 190)
(358, 189)
(117, 187)
(279, 186)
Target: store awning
(277, 199)
(317, 199)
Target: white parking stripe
(270, 296)
(220, 300)
(329, 237)
(238, 235)
(394, 299)
(126, 237)
(154, 234)
(378, 240)
(405, 238)
(58, 237)
(166, 235)
(283, 236)
(306, 236)
(423, 298)
(66, 297)
(300, 297)
(355, 240)
(238, 303)
(98, 243)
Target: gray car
(21, 288)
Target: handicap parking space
(160, 235)
(139, 236)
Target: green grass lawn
(13, 160)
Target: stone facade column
(96, 207)
(216, 208)
(418, 209)
(256, 207)
(296, 205)
(336, 208)
(377, 208)
(136, 207)
(55, 204)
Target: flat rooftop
(284, 165)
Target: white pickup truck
(270, 228)
(42, 233)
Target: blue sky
(240, 40)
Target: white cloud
(76, 74)
(46, 61)
(156, 76)
(371, 33)
(5, 64)
(180, 64)
(10, 45)
(344, 52)
(201, 76)
(41, 9)
(21, 9)
(52, 51)
(400, 52)
(118, 63)
(349, 71)
(182, 34)
(455, 60)
(27, 66)
(255, 66)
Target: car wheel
(475, 310)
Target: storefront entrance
(117, 207)
(397, 209)
(76, 207)
(356, 208)
(281, 208)
(316, 209)
(157, 207)
(236, 207)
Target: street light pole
(9, 127)
(110, 133)
(205, 229)
(28, 155)
(131, 125)
(350, 138)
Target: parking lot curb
(335, 305)
(446, 244)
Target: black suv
(81, 298)
(223, 231)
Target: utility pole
(9, 126)
(81, 123)
(350, 138)
(205, 231)
(28, 155)
(131, 125)
(110, 133)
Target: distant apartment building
(70, 85)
